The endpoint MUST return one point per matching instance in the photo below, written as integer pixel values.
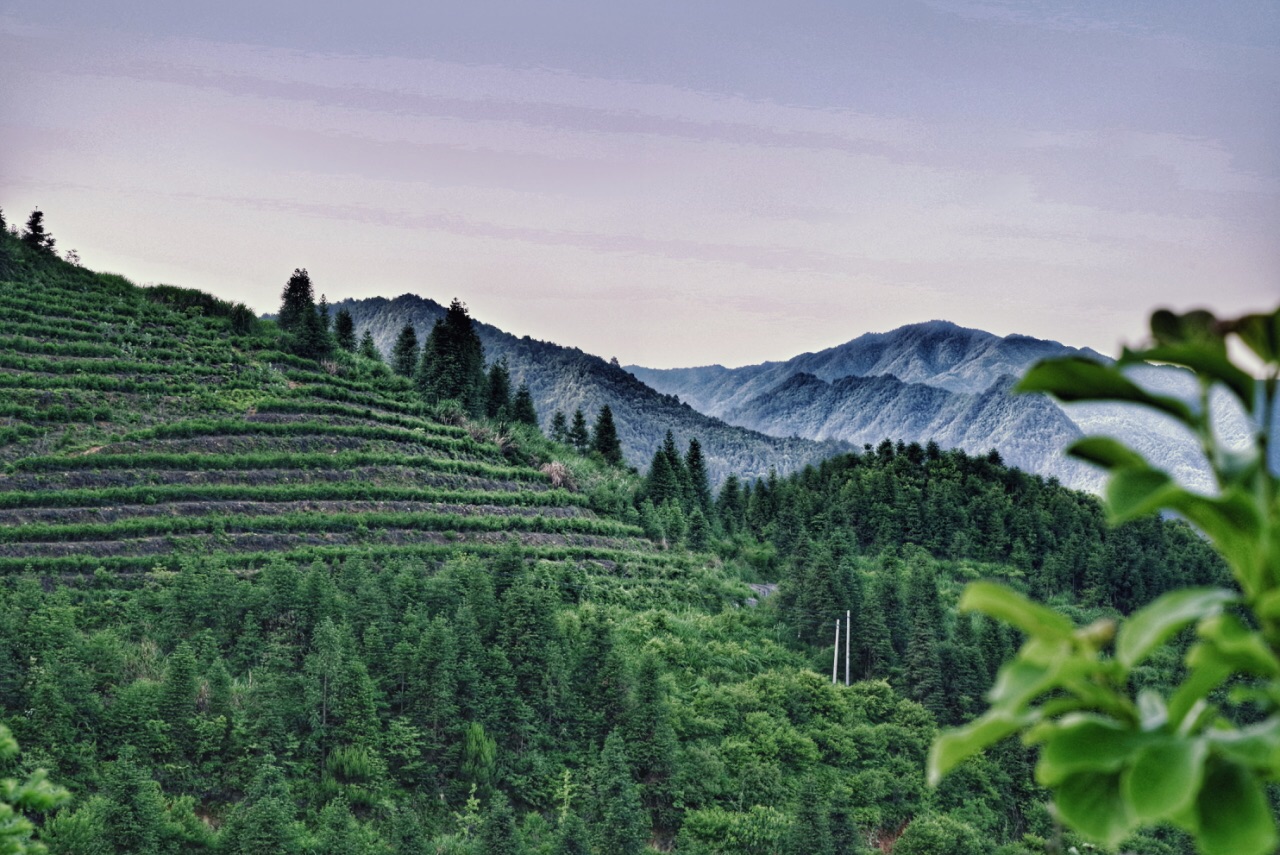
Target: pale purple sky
(671, 183)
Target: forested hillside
(261, 593)
(565, 379)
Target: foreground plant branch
(1116, 760)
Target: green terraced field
(134, 433)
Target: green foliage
(404, 355)
(36, 236)
(1117, 760)
(498, 397)
(560, 428)
(35, 794)
(939, 835)
(368, 349)
(256, 602)
(522, 409)
(619, 819)
(604, 437)
(296, 301)
(452, 366)
(498, 835)
(578, 436)
(344, 331)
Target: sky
(668, 183)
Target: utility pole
(848, 631)
(835, 657)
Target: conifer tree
(674, 522)
(178, 698)
(135, 816)
(699, 535)
(263, 821)
(965, 669)
(888, 601)
(810, 833)
(673, 455)
(36, 236)
(652, 745)
(498, 835)
(452, 365)
(404, 356)
(368, 349)
(578, 435)
(339, 832)
(522, 409)
(220, 695)
(431, 690)
(344, 330)
(530, 637)
(730, 506)
(296, 302)
(559, 428)
(846, 838)
(604, 438)
(498, 400)
(700, 486)
(651, 522)
(601, 680)
(311, 337)
(3, 225)
(661, 484)
(322, 312)
(571, 837)
(621, 827)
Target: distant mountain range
(565, 378)
(940, 381)
(928, 381)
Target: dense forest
(265, 592)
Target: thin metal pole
(848, 632)
(835, 657)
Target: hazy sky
(673, 183)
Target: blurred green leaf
(1208, 362)
(1079, 379)
(1021, 681)
(1007, 605)
(1134, 493)
(1086, 743)
(1151, 626)
(955, 746)
(1255, 746)
(1164, 778)
(1093, 804)
(1261, 333)
(1237, 647)
(1234, 816)
(1106, 452)
(1198, 326)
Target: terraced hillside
(140, 425)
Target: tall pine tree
(498, 401)
(296, 301)
(522, 409)
(579, 437)
(452, 365)
(344, 331)
(404, 356)
(604, 439)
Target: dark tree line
(448, 366)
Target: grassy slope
(136, 430)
